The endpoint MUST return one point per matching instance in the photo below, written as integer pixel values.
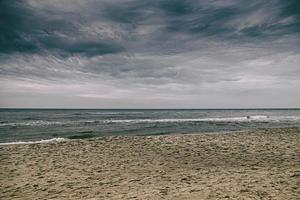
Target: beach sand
(261, 164)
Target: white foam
(32, 123)
(250, 118)
(176, 120)
(114, 113)
(257, 117)
(52, 140)
(253, 118)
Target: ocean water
(42, 125)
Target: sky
(149, 53)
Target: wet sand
(261, 164)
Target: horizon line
(238, 108)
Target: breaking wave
(254, 118)
(32, 123)
(52, 140)
(250, 118)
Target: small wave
(172, 120)
(82, 136)
(36, 142)
(89, 122)
(30, 118)
(47, 123)
(286, 119)
(116, 113)
(257, 117)
(250, 118)
(33, 123)
(105, 113)
(254, 118)
(108, 113)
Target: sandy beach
(261, 164)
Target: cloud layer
(133, 54)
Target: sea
(48, 125)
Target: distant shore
(257, 164)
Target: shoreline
(89, 137)
(253, 164)
(95, 137)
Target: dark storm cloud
(28, 28)
(13, 28)
(166, 49)
(212, 18)
(23, 29)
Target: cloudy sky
(149, 53)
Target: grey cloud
(25, 29)
(105, 27)
(171, 51)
